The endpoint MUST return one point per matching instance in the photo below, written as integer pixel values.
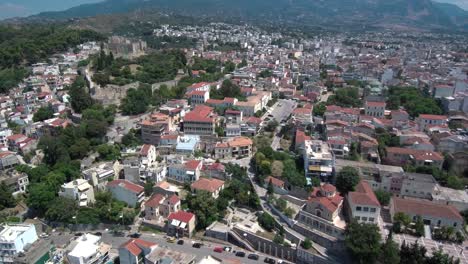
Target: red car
(218, 249)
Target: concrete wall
(267, 246)
(332, 244)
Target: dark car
(98, 234)
(135, 235)
(78, 234)
(197, 245)
(240, 254)
(269, 260)
(180, 242)
(253, 256)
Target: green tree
(455, 182)
(363, 241)
(383, 197)
(412, 254)
(278, 239)
(270, 188)
(40, 196)
(149, 188)
(390, 252)
(265, 167)
(306, 244)
(319, 109)
(266, 221)
(62, 209)
(108, 152)
(80, 98)
(439, 257)
(203, 205)
(419, 226)
(6, 197)
(347, 179)
(43, 113)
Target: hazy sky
(13, 8)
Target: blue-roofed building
(187, 144)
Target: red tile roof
(174, 199)
(201, 113)
(363, 195)
(155, 200)
(209, 185)
(127, 185)
(376, 104)
(417, 154)
(192, 164)
(433, 117)
(301, 137)
(331, 203)
(134, 246)
(425, 208)
(16, 137)
(182, 216)
(276, 182)
(145, 149)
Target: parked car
(240, 254)
(135, 235)
(269, 260)
(171, 240)
(218, 249)
(228, 249)
(98, 234)
(197, 245)
(253, 256)
(180, 242)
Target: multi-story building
(17, 182)
(161, 206)
(88, 249)
(322, 211)
(200, 121)
(236, 147)
(212, 186)
(185, 172)
(79, 190)
(8, 160)
(319, 160)
(433, 214)
(426, 121)
(403, 156)
(362, 204)
(151, 132)
(14, 238)
(126, 191)
(375, 109)
(134, 251)
(181, 224)
(198, 97)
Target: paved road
(280, 111)
(160, 239)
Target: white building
(362, 204)
(79, 190)
(88, 249)
(319, 160)
(126, 192)
(14, 239)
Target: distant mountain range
(422, 14)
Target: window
(366, 209)
(372, 210)
(364, 219)
(455, 224)
(371, 219)
(358, 218)
(358, 208)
